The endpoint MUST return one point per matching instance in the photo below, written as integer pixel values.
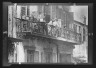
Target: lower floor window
(32, 56)
(46, 57)
(65, 58)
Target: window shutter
(47, 18)
(43, 57)
(23, 11)
(54, 58)
(36, 56)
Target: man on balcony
(44, 24)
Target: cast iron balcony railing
(45, 29)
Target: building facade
(81, 49)
(41, 42)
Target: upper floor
(51, 21)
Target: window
(32, 56)
(70, 26)
(24, 26)
(64, 20)
(36, 56)
(80, 37)
(65, 58)
(46, 57)
(43, 60)
(54, 57)
(83, 34)
(23, 11)
(79, 29)
(47, 10)
(76, 28)
(28, 11)
(47, 18)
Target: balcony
(45, 30)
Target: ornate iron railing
(47, 30)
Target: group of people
(42, 23)
(54, 27)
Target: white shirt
(55, 23)
(59, 23)
(41, 16)
(50, 23)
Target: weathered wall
(66, 51)
(10, 20)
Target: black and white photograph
(47, 33)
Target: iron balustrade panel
(45, 29)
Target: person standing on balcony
(41, 17)
(50, 24)
(35, 21)
(59, 27)
(44, 24)
(55, 24)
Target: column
(14, 20)
(25, 55)
(10, 19)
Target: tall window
(58, 13)
(72, 26)
(23, 11)
(65, 58)
(47, 10)
(76, 28)
(83, 34)
(32, 56)
(53, 12)
(49, 57)
(28, 10)
(79, 29)
(47, 13)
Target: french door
(32, 56)
(65, 58)
(46, 57)
(49, 57)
